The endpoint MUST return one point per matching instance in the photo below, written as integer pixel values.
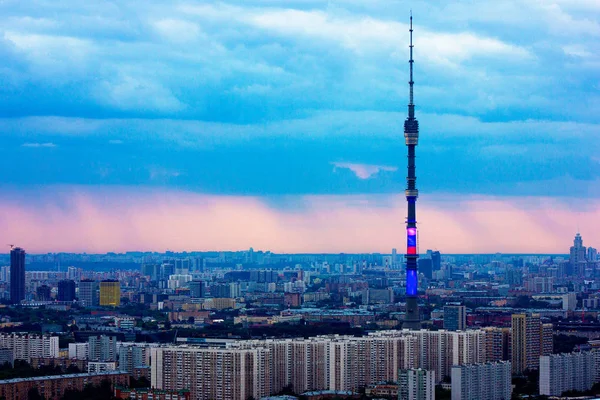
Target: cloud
(120, 219)
(363, 171)
(38, 145)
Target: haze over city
(278, 125)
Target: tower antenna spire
(411, 105)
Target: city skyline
(283, 130)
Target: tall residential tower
(412, 319)
(17, 275)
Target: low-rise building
(54, 387)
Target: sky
(277, 125)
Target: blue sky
(281, 100)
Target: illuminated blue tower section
(412, 318)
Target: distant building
(378, 296)
(577, 257)
(17, 275)
(102, 348)
(563, 372)
(110, 293)
(530, 340)
(426, 267)
(88, 292)
(6, 357)
(490, 381)
(43, 293)
(416, 384)
(436, 259)
(196, 289)
(497, 344)
(131, 357)
(96, 367)
(24, 346)
(455, 318)
(54, 387)
(79, 351)
(66, 290)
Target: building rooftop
(65, 376)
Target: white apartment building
(330, 362)
(416, 384)
(25, 346)
(97, 367)
(490, 381)
(562, 372)
(212, 374)
(79, 351)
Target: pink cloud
(120, 219)
(363, 171)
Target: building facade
(66, 290)
(17, 275)
(416, 384)
(212, 374)
(54, 387)
(490, 381)
(102, 348)
(455, 318)
(530, 340)
(563, 372)
(110, 293)
(25, 346)
(88, 292)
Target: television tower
(412, 318)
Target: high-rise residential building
(79, 351)
(455, 317)
(110, 293)
(73, 273)
(26, 346)
(498, 344)
(88, 292)
(102, 348)
(17, 275)
(563, 372)
(66, 290)
(530, 340)
(489, 381)
(577, 257)
(416, 384)
(197, 289)
(131, 357)
(212, 374)
(319, 363)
